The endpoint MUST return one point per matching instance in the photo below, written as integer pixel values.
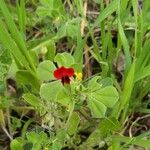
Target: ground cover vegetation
(74, 74)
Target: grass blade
(127, 90)
(21, 15)
(145, 72)
(8, 43)
(15, 33)
(112, 7)
(125, 45)
(134, 141)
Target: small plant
(74, 74)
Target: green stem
(70, 114)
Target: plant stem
(6, 132)
(70, 114)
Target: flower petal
(69, 72)
(63, 72)
(59, 73)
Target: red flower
(64, 74)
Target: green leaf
(15, 34)
(63, 97)
(125, 45)
(93, 83)
(15, 145)
(50, 90)
(103, 130)
(21, 15)
(123, 9)
(98, 109)
(77, 67)
(36, 139)
(100, 97)
(145, 72)
(108, 125)
(10, 44)
(45, 70)
(2, 87)
(46, 2)
(5, 57)
(62, 31)
(24, 77)
(80, 7)
(72, 30)
(128, 87)
(42, 11)
(56, 146)
(73, 123)
(107, 95)
(51, 50)
(51, 8)
(32, 99)
(12, 70)
(106, 12)
(144, 57)
(3, 71)
(56, 92)
(35, 57)
(64, 59)
(79, 50)
(106, 82)
(27, 146)
(61, 134)
(134, 141)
